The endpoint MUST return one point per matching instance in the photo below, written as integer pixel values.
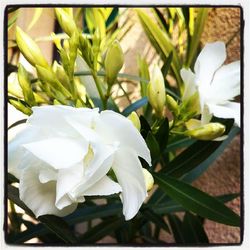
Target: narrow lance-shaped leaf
(196, 200)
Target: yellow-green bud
(156, 91)
(66, 21)
(149, 180)
(172, 104)
(61, 74)
(29, 49)
(113, 62)
(21, 107)
(47, 75)
(207, 132)
(133, 117)
(25, 84)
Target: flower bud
(66, 21)
(156, 91)
(133, 117)
(25, 84)
(20, 106)
(207, 132)
(29, 49)
(172, 104)
(149, 180)
(47, 75)
(113, 62)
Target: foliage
(85, 75)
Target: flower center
(88, 157)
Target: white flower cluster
(65, 154)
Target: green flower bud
(66, 21)
(48, 76)
(30, 49)
(133, 117)
(156, 91)
(172, 104)
(25, 84)
(207, 132)
(20, 106)
(113, 62)
(149, 180)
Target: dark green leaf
(195, 173)
(166, 66)
(17, 123)
(176, 226)
(196, 200)
(166, 206)
(162, 134)
(145, 127)
(153, 145)
(134, 106)
(156, 219)
(104, 228)
(194, 231)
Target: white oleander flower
(65, 154)
(216, 84)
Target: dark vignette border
(5, 112)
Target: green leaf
(194, 231)
(195, 39)
(144, 74)
(195, 173)
(103, 229)
(145, 127)
(156, 219)
(153, 145)
(166, 205)
(134, 106)
(166, 65)
(53, 223)
(196, 200)
(161, 42)
(181, 143)
(38, 12)
(17, 123)
(162, 134)
(177, 229)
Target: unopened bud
(25, 84)
(66, 21)
(133, 117)
(156, 91)
(207, 132)
(20, 106)
(113, 62)
(29, 49)
(149, 180)
(172, 104)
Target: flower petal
(58, 152)
(104, 186)
(114, 127)
(40, 197)
(209, 60)
(226, 83)
(67, 179)
(229, 110)
(95, 170)
(16, 151)
(189, 81)
(128, 171)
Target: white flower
(65, 154)
(216, 84)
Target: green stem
(99, 88)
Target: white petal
(40, 197)
(229, 110)
(114, 127)
(209, 60)
(96, 170)
(189, 82)
(104, 186)
(226, 83)
(58, 152)
(66, 180)
(128, 171)
(15, 149)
